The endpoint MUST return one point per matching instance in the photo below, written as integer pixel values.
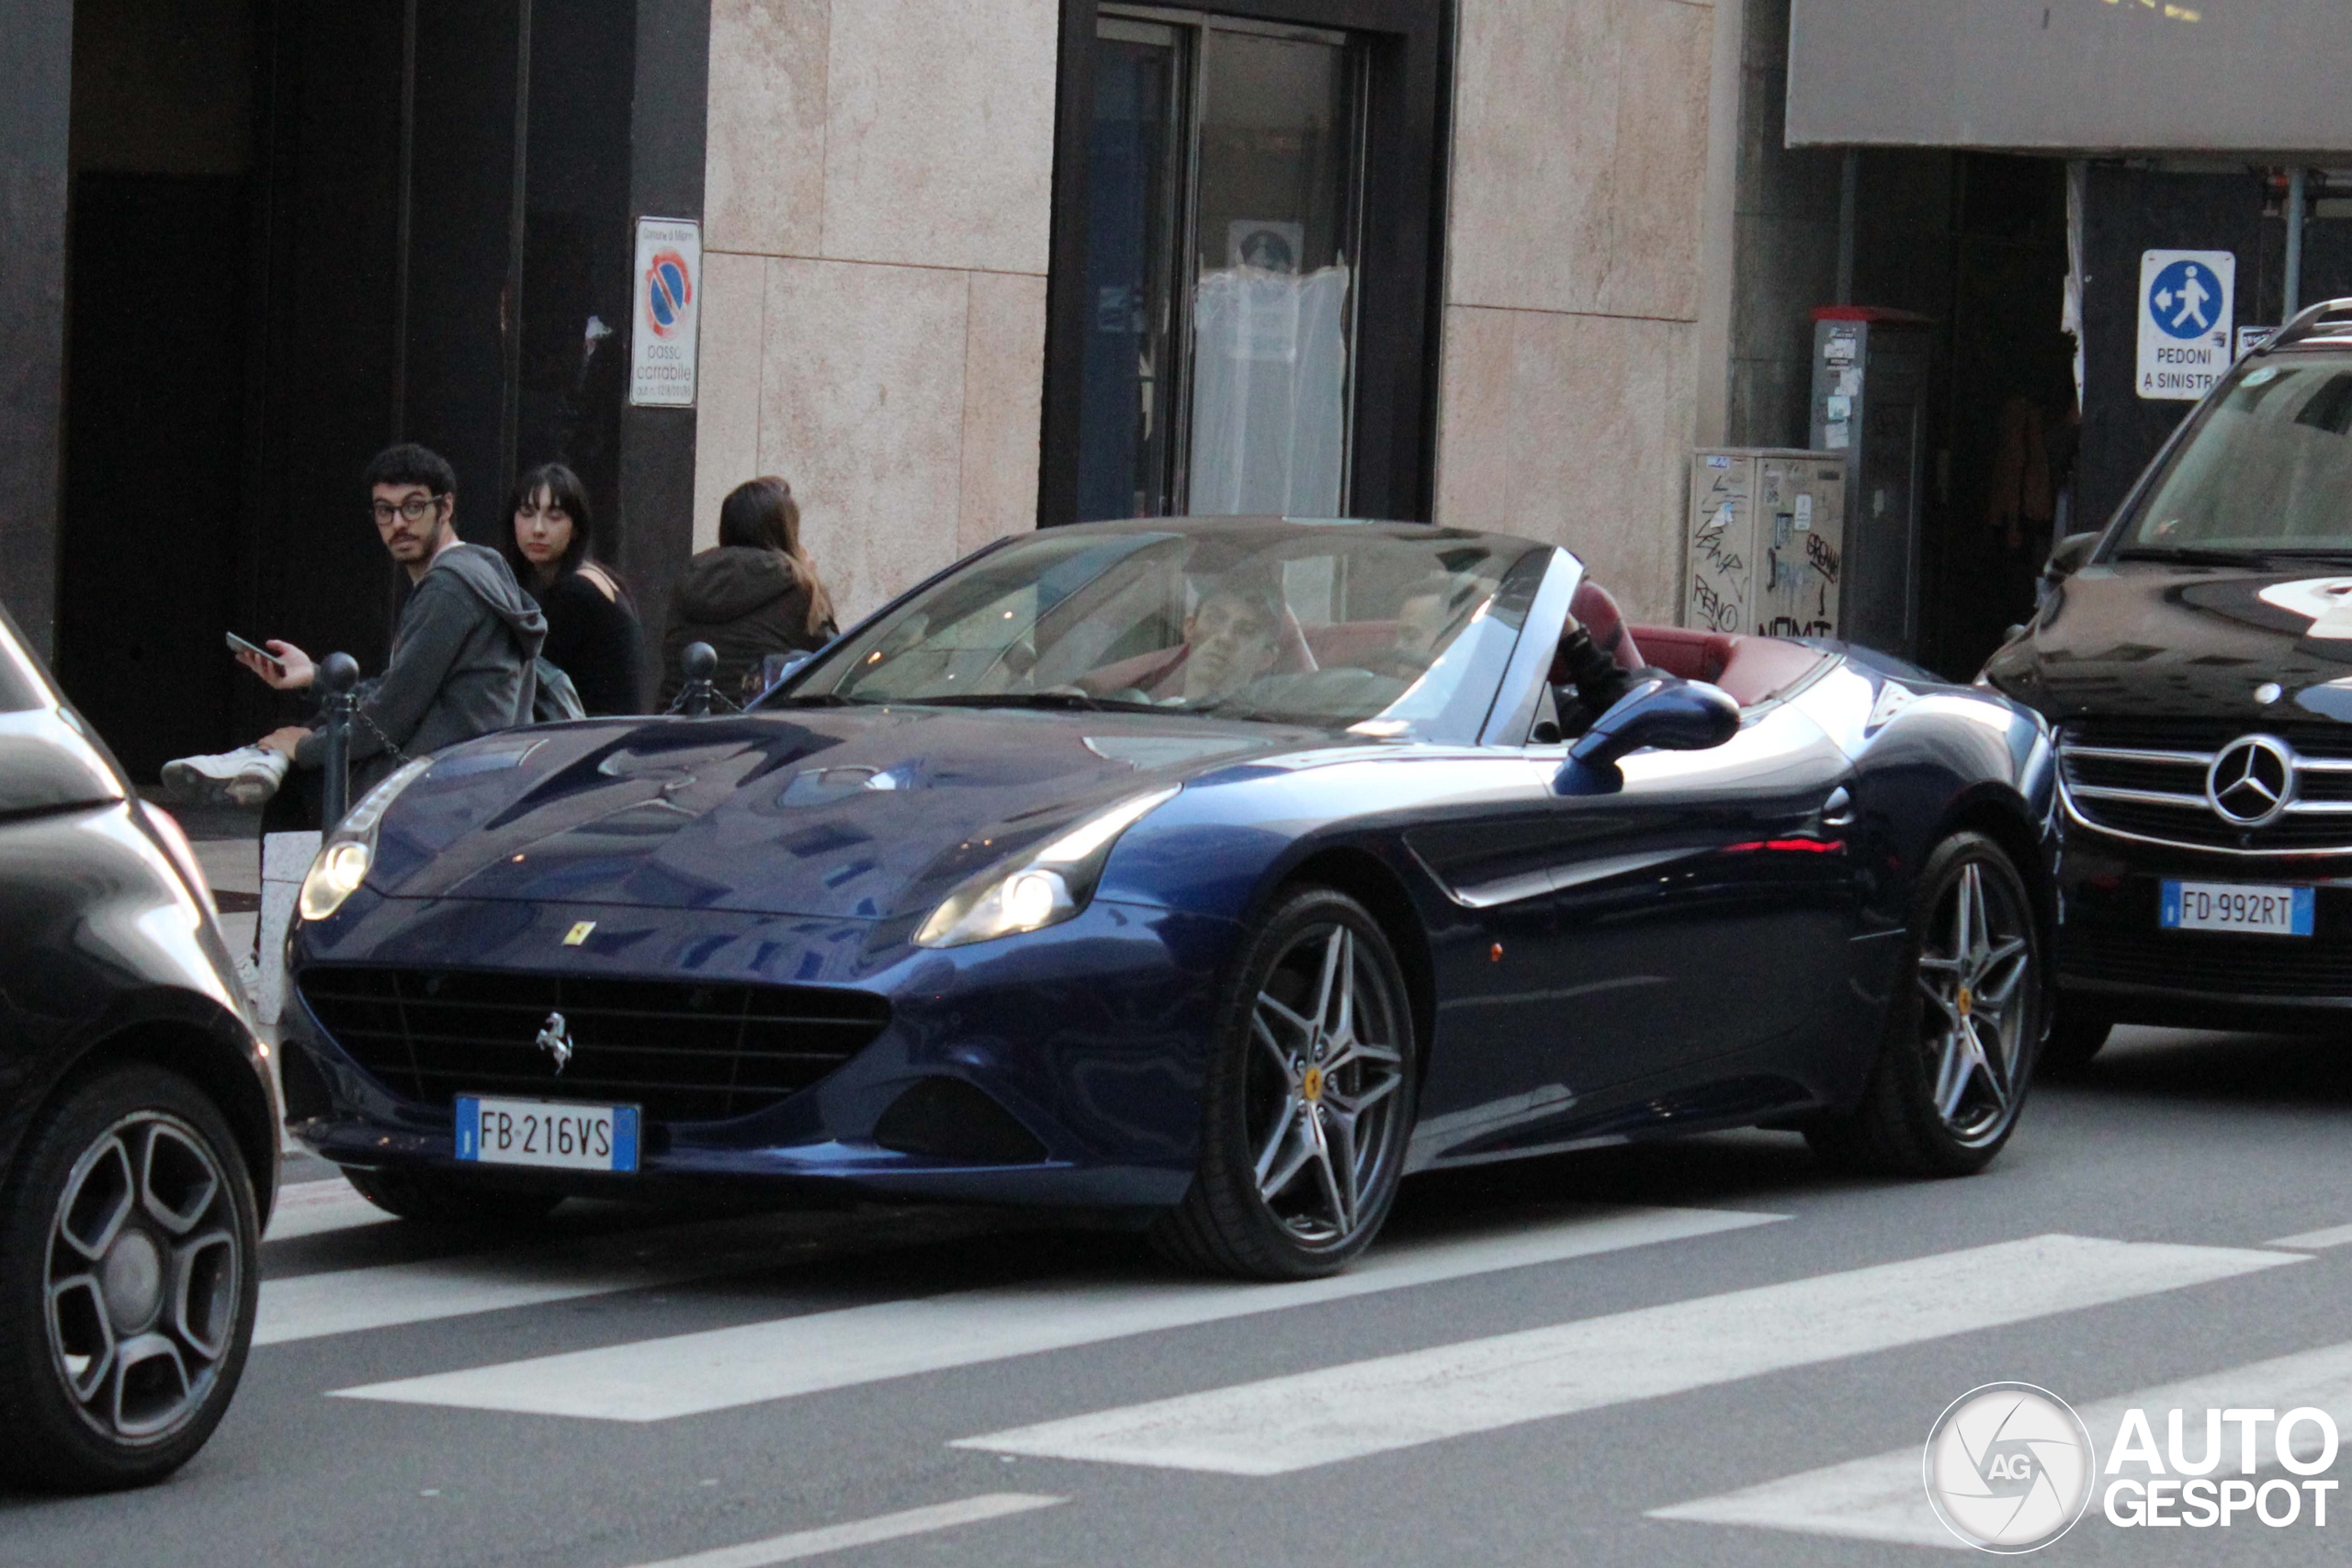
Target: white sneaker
(245, 778)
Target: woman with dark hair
(755, 594)
(592, 632)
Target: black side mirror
(1667, 713)
(2069, 555)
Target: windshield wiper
(1074, 700)
(814, 700)
(2190, 556)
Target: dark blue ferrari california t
(1221, 871)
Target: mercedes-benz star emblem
(2250, 780)
(555, 1039)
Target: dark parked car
(1221, 871)
(2197, 659)
(138, 1122)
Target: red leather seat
(1605, 624)
(1751, 669)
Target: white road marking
(1396, 1402)
(313, 1208)
(347, 1300)
(1882, 1497)
(688, 1375)
(2314, 1241)
(865, 1532)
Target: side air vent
(949, 1119)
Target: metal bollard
(698, 664)
(338, 673)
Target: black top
(597, 642)
(746, 604)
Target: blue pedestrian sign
(2188, 313)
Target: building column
(35, 117)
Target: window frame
(1390, 434)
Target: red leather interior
(1750, 667)
(1350, 642)
(1597, 611)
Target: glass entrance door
(1223, 202)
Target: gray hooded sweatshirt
(460, 667)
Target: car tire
(441, 1198)
(1308, 1102)
(1954, 1063)
(2077, 1035)
(129, 1244)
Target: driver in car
(1232, 637)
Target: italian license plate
(559, 1134)
(2236, 906)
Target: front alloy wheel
(126, 1322)
(1310, 1100)
(1960, 1034)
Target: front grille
(685, 1052)
(2206, 962)
(2148, 780)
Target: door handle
(1837, 811)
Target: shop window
(1221, 268)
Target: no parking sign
(669, 312)
(2188, 308)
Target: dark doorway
(153, 525)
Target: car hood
(2144, 639)
(855, 813)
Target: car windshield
(2268, 471)
(1391, 629)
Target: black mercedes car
(138, 1123)
(2196, 657)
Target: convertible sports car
(1219, 870)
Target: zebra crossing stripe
(688, 1375)
(1882, 1498)
(1286, 1424)
(802, 1544)
(315, 1208)
(2314, 1241)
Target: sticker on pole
(2188, 313)
(669, 312)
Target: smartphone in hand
(239, 645)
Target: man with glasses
(462, 653)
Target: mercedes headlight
(350, 847)
(1045, 887)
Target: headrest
(1598, 614)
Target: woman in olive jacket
(756, 595)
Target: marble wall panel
(861, 409)
(1580, 154)
(939, 145)
(1574, 429)
(1005, 384)
(763, 167)
(727, 386)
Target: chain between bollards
(338, 673)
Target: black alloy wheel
(1309, 1098)
(1961, 1028)
(128, 1282)
(446, 1198)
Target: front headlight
(1044, 887)
(350, 847)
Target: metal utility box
(1870, 381)
(1768, 541)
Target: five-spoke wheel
(123, 1343)
(1310, 1099)
(1962, 1033)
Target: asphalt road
(1536, 1363)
